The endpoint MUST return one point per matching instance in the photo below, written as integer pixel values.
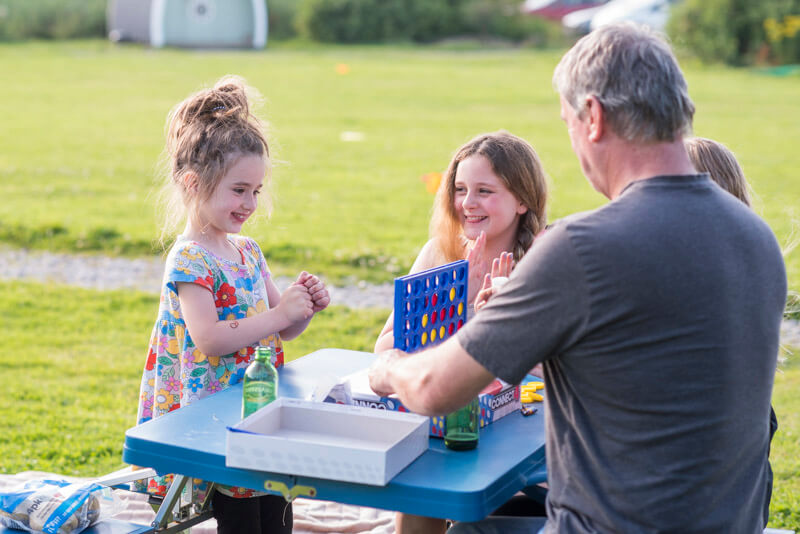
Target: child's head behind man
(715, 159)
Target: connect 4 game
(430, 306)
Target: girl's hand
(485, 293)
(501, 268)
(296, 304)
(317, 290)
(503, 265)
(479, 266)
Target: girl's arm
(428, 258)
(218, 338)
(385, 339)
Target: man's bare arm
(431, 382)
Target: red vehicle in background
(556, 9)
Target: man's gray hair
(632, 72)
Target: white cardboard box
(331, 441)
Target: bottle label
(259, 392)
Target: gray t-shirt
(657, 318)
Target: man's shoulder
(579, 223)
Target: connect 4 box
(496, 400)
(429, 307)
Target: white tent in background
(189, 23)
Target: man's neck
(628, 162)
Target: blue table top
(458, 485)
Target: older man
(656, 316)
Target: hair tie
(217, 108)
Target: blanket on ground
(310, 516)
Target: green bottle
(461, 427)
(260, 384)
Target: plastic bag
(333, 389)
(53, 506)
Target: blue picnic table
(458, 485)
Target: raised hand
(485, 293)
(501, 269)
(502, 265)
(479, 265)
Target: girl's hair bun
(228, 100)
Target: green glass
(461, 427)
(260, 383)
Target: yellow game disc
(441, 332)
(424, 338)
(452, 294)
(424, 319)
(460, 308)
(433, 335)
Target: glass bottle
(461, 427)
(260, 383)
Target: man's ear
(596, 118)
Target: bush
(738, 32)
(431, 20)
(503, 19)
(350, 21)
(282, 15)
(354, 21)
(52, 19)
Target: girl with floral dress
(218, 299)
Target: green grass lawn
(83, 132)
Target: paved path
(144, 274)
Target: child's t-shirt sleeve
(187, 263)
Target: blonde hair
(206, 134)
(718, 161)
(517, 165)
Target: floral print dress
(176, 373)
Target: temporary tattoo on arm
(234, 324)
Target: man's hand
(379, 373)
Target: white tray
(330, 441)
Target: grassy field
(81, 144)
(81, 137)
